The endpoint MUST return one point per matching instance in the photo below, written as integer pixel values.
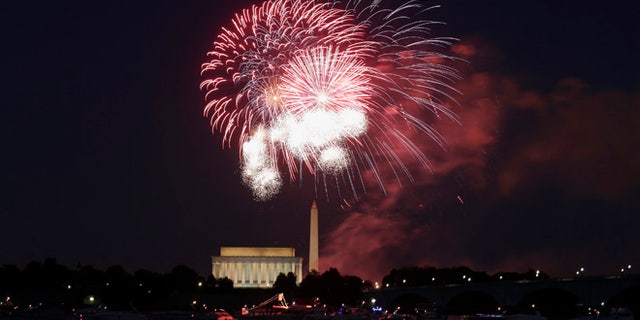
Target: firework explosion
(324, 87)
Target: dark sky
(107, 159)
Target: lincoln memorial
(255, 267)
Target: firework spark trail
(308, 84)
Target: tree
(331, 288)
(183, 278)
(285, 283)
(310, 287)
(117, 276)
(88, 276)
(9, 277)
(32, 275)
(352, 290)
(119, 286)
(224, 284)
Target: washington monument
(313, 238)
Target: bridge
(587, 291)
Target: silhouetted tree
(32, 275)
(367, 285)
(89, 277)
(147, 278)
(183, 278)
(117, 276)
(285, 283)
(56, 276)
(352, 288)
(9, 277)
(331, 288)
(416, 276)
(211, 281)
(119, 284)
(331, 284)
(224, 285)
(310, 286)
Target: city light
(622, 270)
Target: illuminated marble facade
(255, 267)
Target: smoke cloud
(485, 201)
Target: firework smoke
(326, 87)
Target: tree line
(424, 276)
(56, 284)
(329, 288)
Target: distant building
(255, 267)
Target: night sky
(107, 159)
